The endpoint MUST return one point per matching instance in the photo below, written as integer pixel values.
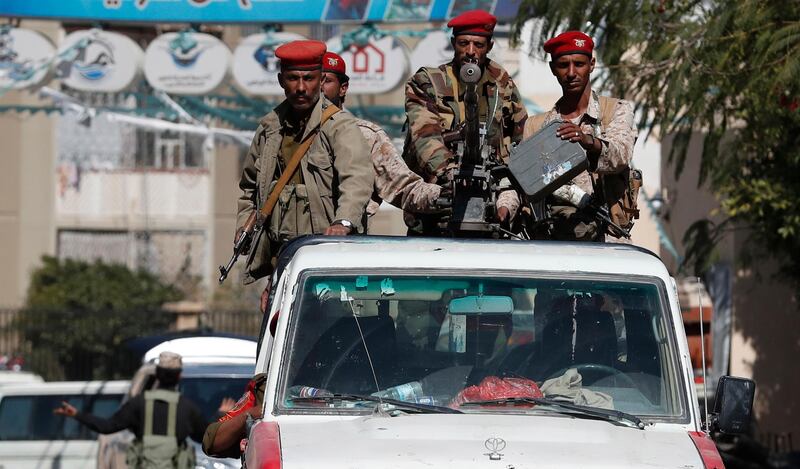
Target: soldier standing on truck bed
(604, 127)
(328, 189)
(394, 181)
(435, 105)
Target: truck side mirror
(733, 404)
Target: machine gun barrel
(470, 74)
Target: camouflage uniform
(394, 181)
(432, 109)
(617, 139)
(333, 182)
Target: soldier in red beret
(337, 160)
(435, 105)
(604, 127)
(394, 181)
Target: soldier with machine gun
(463, 118)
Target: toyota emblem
(495, 445)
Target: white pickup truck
(413, 352)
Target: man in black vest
(158, 445)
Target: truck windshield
(481, 344)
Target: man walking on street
(604, 127)
(161, 419)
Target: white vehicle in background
(413, 352)
(31, 436)
(213, 368)
(16, 377)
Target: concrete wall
(764, 342)
(27, 228)
(27, 155)
(128, 199)
(225, 191)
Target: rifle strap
(454, 85)
(294, 163)
(607, 106)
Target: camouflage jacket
(617, 138)
(394, 181)
(336, 173)
(432, 108)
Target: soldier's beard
(336, 100)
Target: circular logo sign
(376, 67)
(255, 67)
(108, 62)
(186, 63)
(431, 51)
(24, 58)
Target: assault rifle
(244, 238)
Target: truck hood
(480, 441)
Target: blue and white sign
(186, 63)
(254, 11)
(25, 58)
(108, 62)
(376, 67)
(255, 67)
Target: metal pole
(703, 352)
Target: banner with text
(255, 11)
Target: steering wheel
(597, 368)
(333, 370)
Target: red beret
(570, 42)
(301, 55)
(334, 63)
(477, 22)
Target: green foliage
(82, 313)
(721, 68)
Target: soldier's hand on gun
(66, 410)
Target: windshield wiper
(605, 414)
(422, 408)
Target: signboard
(255, 67)
(433, 50)
(186, 63)
(24, 58)
(110, 62)
(377, 67)
(255, 11)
